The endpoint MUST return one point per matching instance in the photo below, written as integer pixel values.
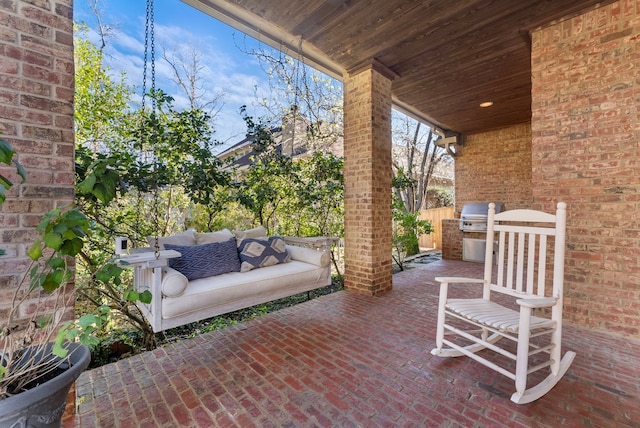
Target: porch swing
(194, 276)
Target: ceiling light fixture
(486, 104)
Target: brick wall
(36, 117)
(367, 181)
(495, 166)
(586, 152)
(492, 166)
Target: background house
(296, 137)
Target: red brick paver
(350, 360)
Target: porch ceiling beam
(269, 34)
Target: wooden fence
(435, 216)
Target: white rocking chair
(520, 261)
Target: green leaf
(89, 340)
(108, 272)
(60, 228)
(145, 296)
(79, 231)
(52, 240)
(44, 320)
(56, 263)
(72, 247)
(71, 334)
(100, 192)
(20, 170)
(58, 349)
(89, 320)
(6, 152)
(86, 186)
(75, 216)
(53, 280)
(35, 252)
(5, 182)
(131, 296)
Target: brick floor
(349, 360)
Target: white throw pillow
(173, 282)
(309, 255)
(213, 237)
(256, 232)
(185, 238)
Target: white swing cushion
(263, 284)
(173, 282)
(491, 314)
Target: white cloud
(225, 68)
(127, 42)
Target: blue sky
(178, 26)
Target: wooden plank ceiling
(449, 55)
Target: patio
(347, 359)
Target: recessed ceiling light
(486, 104)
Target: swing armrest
(147, 259)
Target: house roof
(245, 143)
(446, 56)
(243, 150)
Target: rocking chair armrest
(458, 279)
(537, 302)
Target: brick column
(367, 178)
(36, 118)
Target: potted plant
(41, 358)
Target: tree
(100, 102)
(137, 172)
(188, 75)
(415, 157)
(295, 86)
(407, 226)
(264, 185)
(316, 203)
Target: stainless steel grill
(473, 217)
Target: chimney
(289, 123)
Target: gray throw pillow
(202, 261)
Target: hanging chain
(152, 35)
(141, 138)
(150, 32)
(149, 150)
(144, 67)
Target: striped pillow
(202, 261)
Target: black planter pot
(43, 406)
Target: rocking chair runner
(521, 261)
